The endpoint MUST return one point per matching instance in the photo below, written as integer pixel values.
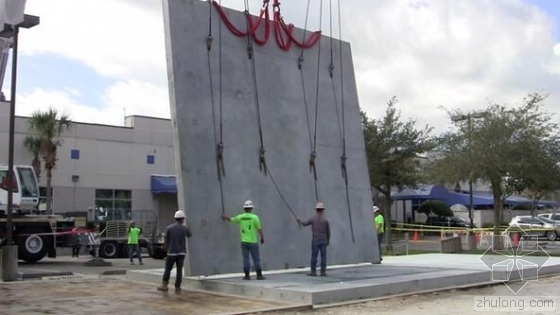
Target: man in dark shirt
(175, 243)
(320, 241)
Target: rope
(282, 196)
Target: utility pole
(9, 251)
(468, 118)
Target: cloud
(120, 39)
(119, 99)
(458, 54)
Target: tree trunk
(497, 195)
(387, 213)
(49, 192)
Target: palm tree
(48, 127)
(33, 144)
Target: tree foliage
(392, 146)
(48, 127)
(514, 149)
(33, 144)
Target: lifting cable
(313, 155)
(219, 144)
(300, 67)
(343, 158)
(250, 55)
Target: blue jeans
(316, 248)
(178, 261)
(134, 248)
(253, 250)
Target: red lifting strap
(283, 33)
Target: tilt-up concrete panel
(288, 135)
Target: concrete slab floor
(397, 275)
(118, 296)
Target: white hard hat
(320, 205)
(376, 208)
(179, 214)
(248, 204)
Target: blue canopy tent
(454, 198)
(163, 184)
(423, 192)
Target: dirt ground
(448, 302)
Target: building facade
(104, 166)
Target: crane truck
(35, 235)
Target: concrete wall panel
(214, 248)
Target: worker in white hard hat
(320, 239)
(249, 226)
(175, 243)
(379, 223)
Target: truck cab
(35, 235)
(25, 189)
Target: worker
(133, 247)
(379, 223)
(249, 226)
(76, 242)
(175, 243)
(320, 239)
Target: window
(75, 154)
(29, 187)
(115, 204)
(151, 159)
(6, 183)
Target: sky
(99, 60)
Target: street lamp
(468, 117)
(9, 252)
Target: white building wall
(111, 157)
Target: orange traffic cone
(415, 236)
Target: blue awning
(163, 184)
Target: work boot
(312, 274)
(163, 287)
(259, 275)
(178, 290)
(247, 277)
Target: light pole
(9, 252)
(468, 117)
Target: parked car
(453, 221)
(536, 227)
(551, 216)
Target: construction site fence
(406, 227)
